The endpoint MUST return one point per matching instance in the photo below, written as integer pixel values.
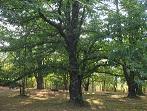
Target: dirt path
(2, 89)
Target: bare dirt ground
(44, 100)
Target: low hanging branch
(6, 49)
(34, 71)
(102, 72)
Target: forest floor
(44, 100)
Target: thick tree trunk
(129, 76)
(70, 30)
(39, 81)
(75, 89)
(131, 89)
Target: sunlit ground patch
(44, 100)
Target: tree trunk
(115, 84)
(129, 76)
(86, 84)
(92, 85)
(39, 81)
(70, 30)
(104, 85)
(22, 87)
(65, 81)
(139, 90)
(75, 89)
(131, 89)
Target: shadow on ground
(43, 100)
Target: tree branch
(52, 23)
(82, 19)
(75, 15)
(59, 11)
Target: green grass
(50, 101)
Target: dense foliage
(74, 43)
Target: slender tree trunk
(104, 85)
(65, 81)
(115, 84)
(86, 84)
(45, 84)
(39, 81)
(140, 90)
(92, 85)
(23, 87)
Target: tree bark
(70, 29)
(75, 90)
(129, 76)
(139, 90)
(65, 81)
(39, 81)
(115, 84)
(86, 84)
(71, 39)
(92, 85)
(104, 85)
(131, 89)
(23, 87)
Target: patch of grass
(43, 100)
